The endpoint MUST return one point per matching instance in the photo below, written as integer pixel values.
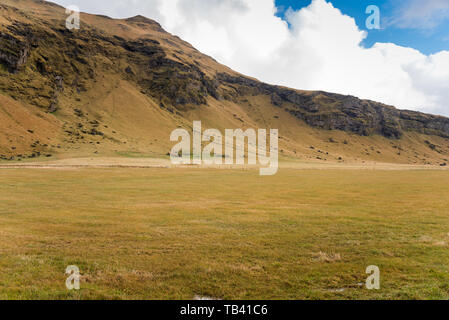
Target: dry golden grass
(181, 233)
(137, 231)
(133, 122)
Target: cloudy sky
(315, 44)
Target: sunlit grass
(229, 234)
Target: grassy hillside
(85, 121)
(119, 87)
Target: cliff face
(338, 112)
(58, 58)
(13, 52)
(61, 72)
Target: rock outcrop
(339, 112)
(43, 59)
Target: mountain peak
(140, 18)
(145, 20)
(124, 84)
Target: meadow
(181, 233)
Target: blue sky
(319, 48)
(424, 31)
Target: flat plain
(181, 233)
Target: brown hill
(119, 87)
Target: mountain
(118, 87)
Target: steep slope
(119, 87)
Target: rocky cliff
(53, 69)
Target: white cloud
(419, 14)
(320, 51)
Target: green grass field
(227, 234)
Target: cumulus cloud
(318, 49)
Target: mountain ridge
(71, 73)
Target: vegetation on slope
(77, 79)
